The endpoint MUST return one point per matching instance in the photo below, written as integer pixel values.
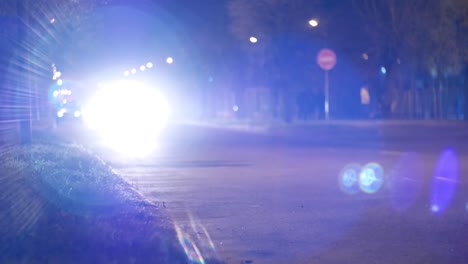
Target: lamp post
(326, 59)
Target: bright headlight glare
(128, 115)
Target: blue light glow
(383, 70)
(371, 178)
(349, 178)
(128, 115)
(444, 181)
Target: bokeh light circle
(371, 178)
(349, 178)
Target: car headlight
(128, 115)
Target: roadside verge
(61, 204)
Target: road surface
(275, 197)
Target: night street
(234, 131)
(276, 198)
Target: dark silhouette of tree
(415, 37)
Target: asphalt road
(275, 196)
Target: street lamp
(253, 39)
(57, 75)
(313, 22)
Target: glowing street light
(313, 22)
(169, 60)
(57, 75)
(149, 65)
(126, 129)
(253, 39)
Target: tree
(282, 51)
(414, 37)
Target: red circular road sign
(326, 59)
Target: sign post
(326, 59)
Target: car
(69, 111)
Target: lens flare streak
(444, 181)
(190, 248)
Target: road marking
(391, 152)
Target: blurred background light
(149, 65)
(133, 71)
(57, 75)
(59, 82)
(169, 60)
(445, 180)
(313, 22)
(128, 116)
(349, 178)
(253, 39)
(61, 112)
(142, 68)
(371, 178)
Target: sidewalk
(262, 126)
